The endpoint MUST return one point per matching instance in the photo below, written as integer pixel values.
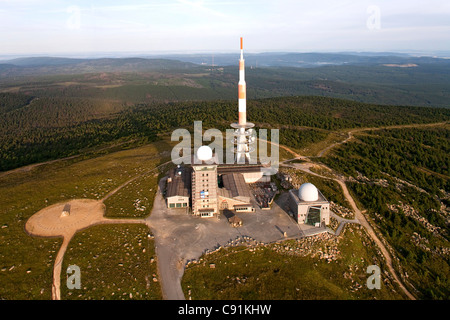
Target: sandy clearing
(49, 222)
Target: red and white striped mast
(242, 89)
(243, 130)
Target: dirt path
(351, 132)
(48, 222)
(132, 179)
(362, 220)
(331, 146)
(305, 167)
(35, 165)
(56, 286)
(84, 213)
(56, 291)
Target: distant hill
(56, 65)
(279, 59)
(381, 78)
(307, 60)
(43, 61)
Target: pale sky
(157, 26)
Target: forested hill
(53, 65)
(265, 59)
(388, 80)
(44, 128)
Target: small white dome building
(204, 153)
(309, 206)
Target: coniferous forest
(36, 129)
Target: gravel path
(305, 167)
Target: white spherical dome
(308, 192)
(204, 153)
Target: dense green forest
(34, 129)
(401, 176)
(417, 155)
(299, 138)
(9, 101)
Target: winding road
(305, 167)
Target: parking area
(180, 237)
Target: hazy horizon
(150, 55)
(79, 28)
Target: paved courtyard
(180, 237)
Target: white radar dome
(204, 153)
(308, 192)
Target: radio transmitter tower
(243, 133)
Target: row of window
(177, 205)
(242, 209)
(209, 214)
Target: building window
(313, 215)
(172, 205)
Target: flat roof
(235, 183)
(320, 200)
(230, 168)
(180, 184)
